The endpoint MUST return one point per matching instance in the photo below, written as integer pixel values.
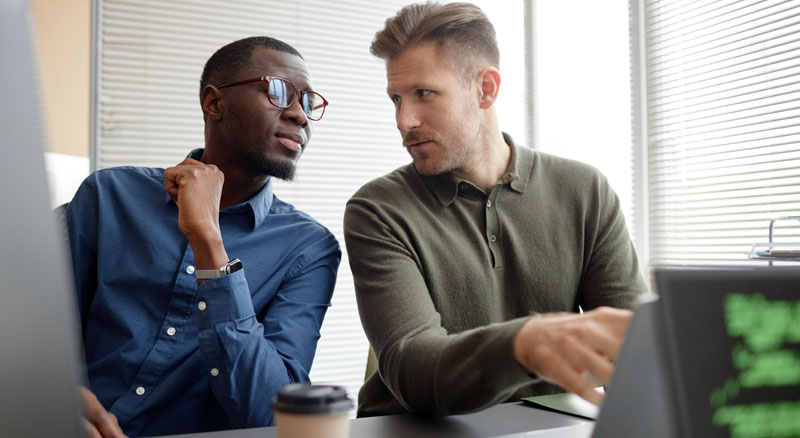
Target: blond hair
(462, 29)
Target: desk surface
(498, 421)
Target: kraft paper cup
(303, 410)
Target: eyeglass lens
(282, 93)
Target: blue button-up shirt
(168, 356)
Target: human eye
(396, 100)
(421, 92)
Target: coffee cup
(303, 410)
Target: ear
(211, 103)
(489, 84)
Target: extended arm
(434, 372)
(566, 348)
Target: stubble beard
(451, 157)
(283, 169)
(255, 152)
(454, 153)
(258, 160)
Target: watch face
(233, 266)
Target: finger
(599, 339)
(616, 320)
(90, 402)
(576, 383)
(588, 393)
(108, 426)
(171, 176)
(189, 162)
(589, 360)
(102, 421)
(91, 431)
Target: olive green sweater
(445, 276)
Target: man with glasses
(453, 253)
(200, 292)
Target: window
(720, 127)
(581, 87)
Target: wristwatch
(229, 268)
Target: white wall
(64, 175)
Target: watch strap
(229, 268)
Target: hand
(98, 422)
(565, 349)
(196, 188)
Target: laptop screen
(733, 343)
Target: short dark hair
(223, 65)
(463, 29)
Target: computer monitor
(39, 349)
(733, 349)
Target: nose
(407, 117)
(295, 113)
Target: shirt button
(492, 238)
(462, 186)
(201, 305)
(489, 204)
(140, 390)
(214, 372)
(190, 269)
(171, 331)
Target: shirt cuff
(224, 299)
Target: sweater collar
(447, 186)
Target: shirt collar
(258, 206)
(519, 172)
(446, 185)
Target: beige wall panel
(64, 34)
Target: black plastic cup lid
(305, 398)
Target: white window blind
(722, 125)
(148, 57)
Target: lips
(293, 142)
(417, 145)
(416, 138)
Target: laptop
(40, 367)
(718, 355)
(733, 342)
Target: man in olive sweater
(471, 262)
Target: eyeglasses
(281, 93)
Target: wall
(63, 34)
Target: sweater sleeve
(429, 371)
(611, 274)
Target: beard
(446, 155)
(283, 169)
(253, 153)
(457, 144)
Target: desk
(497, 421)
